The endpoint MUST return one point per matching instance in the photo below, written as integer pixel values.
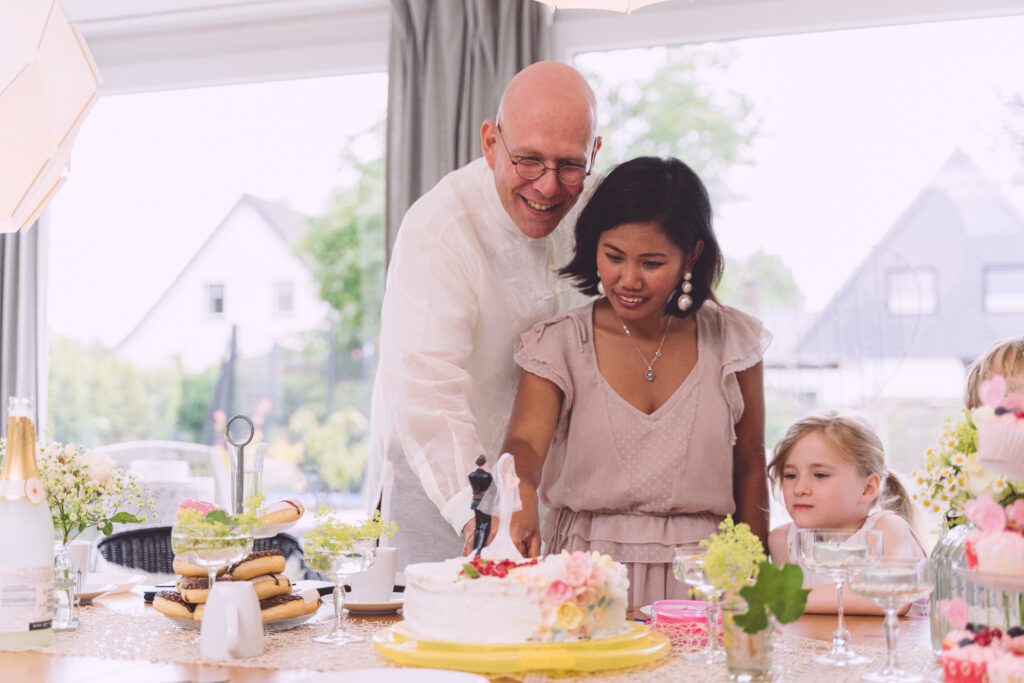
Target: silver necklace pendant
(649, 374)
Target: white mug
(377, 583)
(232, 625)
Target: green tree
(675, 111)
(346, 244)
(758, 282)
(95, 397)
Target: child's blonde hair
(855, 439)
(1004, 358)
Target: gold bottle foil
(20, 458)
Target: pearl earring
(600, 288)
(685, 300)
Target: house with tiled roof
(943, 284)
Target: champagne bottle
(26, 548)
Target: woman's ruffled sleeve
(545, 351)
(743, 342)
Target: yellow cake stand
(636, 646)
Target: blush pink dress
(632, 485)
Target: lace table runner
(140, 633)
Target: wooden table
(35, 667)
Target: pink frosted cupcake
(966, 664)
(1005, 668)
(1000, 552)
(1000, 421)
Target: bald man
(474, 266)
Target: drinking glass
(688, 567)
(893, 583)
(210, 548)
(337, 564)
(833, 553)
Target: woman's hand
(526, 523)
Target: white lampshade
(610, 5)
(47, 84)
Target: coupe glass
(892, 583)
(337, 565)
(688, 567)
(210, 547)
(834, 553)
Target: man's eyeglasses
(532, 169)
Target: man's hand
(526, 523)
(467, 533)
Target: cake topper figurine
(502, 500)
(480, 480)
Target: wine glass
(688, 567)
(833, 553)
(336, 564)
(210, 546)
(892, 583)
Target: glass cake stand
(637, 645)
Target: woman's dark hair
(650, 189)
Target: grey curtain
(449, 62)
(23, 318)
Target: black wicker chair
(149, 549)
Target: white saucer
(94, 590)
(387, 607)
(646, 609)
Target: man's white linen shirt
(463, 284)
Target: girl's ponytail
(894, 497)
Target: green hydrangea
(331, 536)
(732, 556)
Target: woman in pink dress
(639, 420)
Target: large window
(864, 181)
(1004, 289)
(191, 274)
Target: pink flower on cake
(991, 391)
(568, 617)
(955, 612)
(986, 514)
(1015, 513)
(577, 569)
(585, 597)
(558, 592)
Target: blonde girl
(1004, 358)
(831, 470)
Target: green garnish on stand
(331, 536)
(736, 564)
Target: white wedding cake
(558, 598)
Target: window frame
(994, 267)
(208, 289)
(276, 289)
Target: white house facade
(246, 276)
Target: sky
(853, 125)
